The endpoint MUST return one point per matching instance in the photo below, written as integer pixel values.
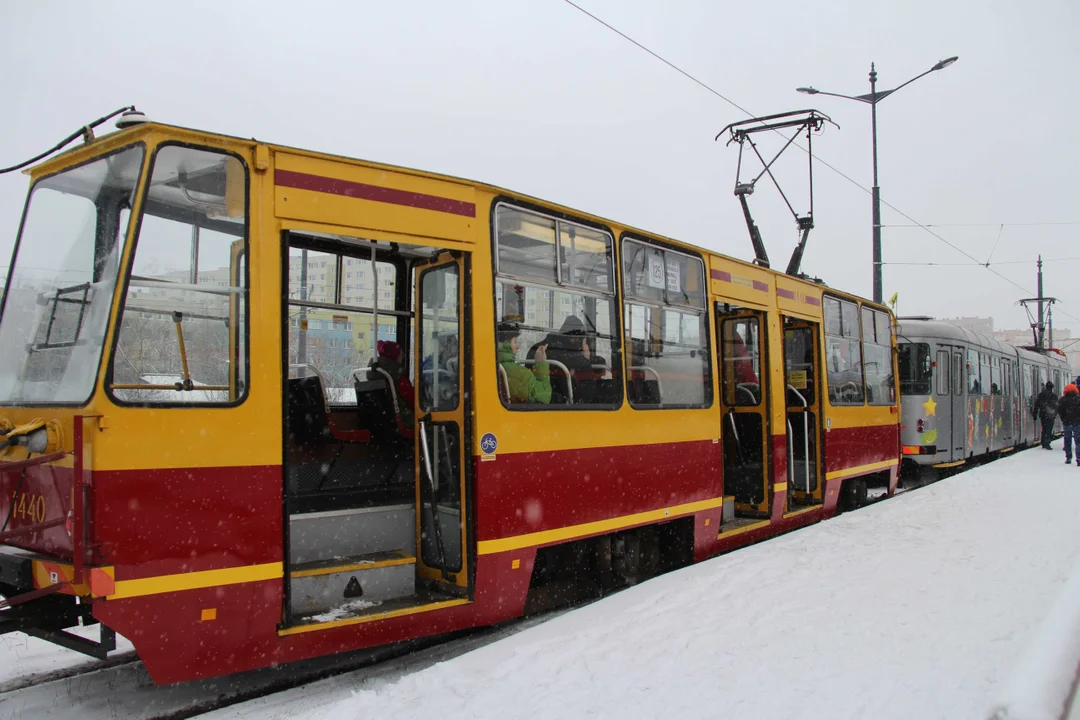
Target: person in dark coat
(570, 346)
(1045, 410)
(1069, 412)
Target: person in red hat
(1069, 412)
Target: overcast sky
(537, 97)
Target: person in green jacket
(526, 386)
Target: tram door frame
(443, 435)
(957, 399)
(809, 493)
(751, 488)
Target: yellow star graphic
(931, 406)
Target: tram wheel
(853, 494)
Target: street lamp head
(946, 63)
(807, 90)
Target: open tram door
(744, 408)
(442, 437)
(802, 410)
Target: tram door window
(941, 372)
(958, 410)
(744, 411)
(440, 512)
(801, 385)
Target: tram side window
(877, 357)
(669, 362)
(974, 386)
(995, 376)
(958, 374)
(568, 307)
(183, 324)
(843, 358)
(915, 370)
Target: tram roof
(925, 329)
(133, 133)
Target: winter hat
(572, 326)
(1070, 389)
(390, 349)
(1049, 386)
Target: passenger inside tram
(569, 348)
(523, 385)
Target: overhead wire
(979, 264)
(913, 221)
(1023, 224)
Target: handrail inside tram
(137, 281)
(806, 437)
(566, 372)
(646, 368)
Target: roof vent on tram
(130, 118)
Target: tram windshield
(60, 287)
(915, 369)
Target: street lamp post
(872, 99)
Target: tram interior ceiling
(809, 121)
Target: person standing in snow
(1046, 411)
(1069, 412)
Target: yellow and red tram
(260, 404)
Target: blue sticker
(489, 444)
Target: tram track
(121, 686)
(40, 678)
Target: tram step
(374, 578)
(352, 532)
(359, 610)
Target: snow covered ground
(24, 659)
(917, 607)
(927, 605)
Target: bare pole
(875, 192)
(1042, 326)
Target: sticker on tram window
(26, 506)
(673, 278)
(797, 379)
(656, 269)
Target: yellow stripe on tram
(196, 580)
(488, 547)
(860, 469)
